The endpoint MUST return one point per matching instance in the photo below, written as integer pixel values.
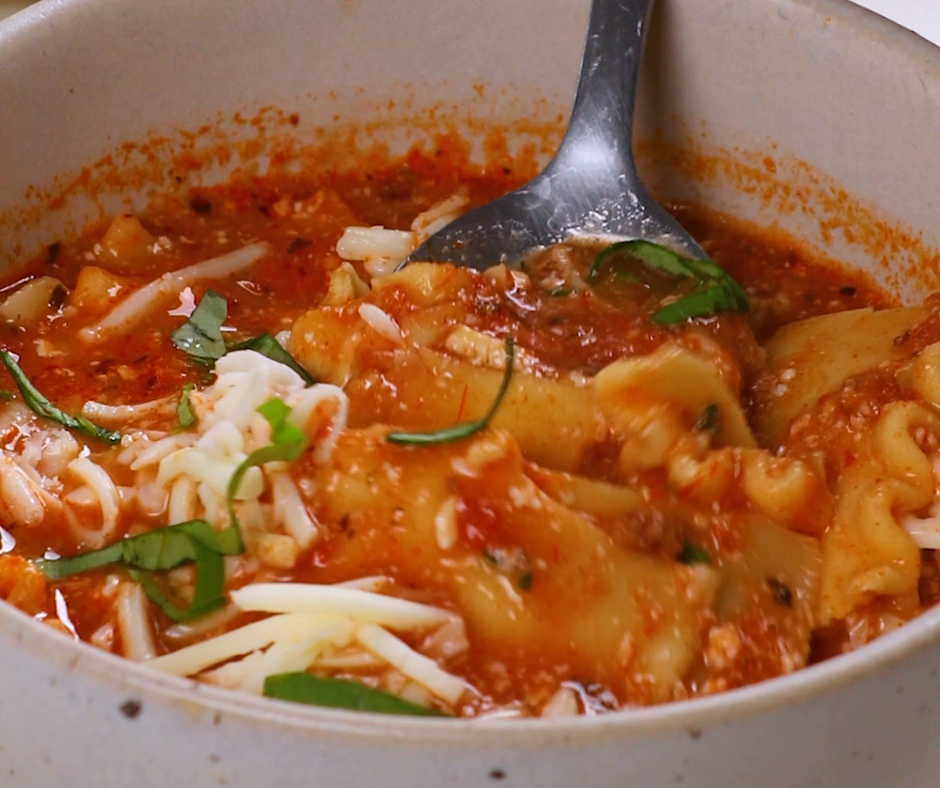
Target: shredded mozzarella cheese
(338, 600)
(423, 670)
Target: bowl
(813, 115)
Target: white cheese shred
(334, 600)
(135, 308)
(417, 667)
(251, 637)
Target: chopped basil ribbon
(692, 554)
(467, 428)
(287, 444)
(42, 407)
(200, 337)
(339, 694)
(268, 346)
(184, 408)
(714, 291)
(161, 550)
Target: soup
(239, 445)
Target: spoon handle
(598, 135)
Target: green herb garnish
(297, 244)
(780, 592)
(340, 694)
(467, 428)
(692, 554)
(5, 396)
(161, 550)
(42, 407)
(200, 204)
(559, 292)
(184, 408)
(287, 444)
(525, 581)
(653, 256)
(200, 337)
(268, 346)
(57, 297)
(710, 420)
(714, 291)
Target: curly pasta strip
(866, 552)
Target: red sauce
(563, 333)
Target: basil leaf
(268, 346)
(339, 694)
(467, 428)
(184, 408)
(207, 591)
(297, 244)
(42, 407)
(200, 337)
(692, 554)
(702, 303)
(781, 593)
(653, 256)
(160, 549)
(714, 292)
(5, 396)
(287, 444)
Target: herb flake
(780, 592)
(692, 554)
(297, 244)
(184, 408)
(710, 420)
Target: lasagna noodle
(866, 551)
(810, 358)
(535, 576)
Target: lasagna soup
(238, 444)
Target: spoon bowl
(590, 190)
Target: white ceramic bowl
(784, 103)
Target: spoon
(590, 189)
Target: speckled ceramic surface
(819, 80)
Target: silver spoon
(590, 189)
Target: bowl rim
(685, 716)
